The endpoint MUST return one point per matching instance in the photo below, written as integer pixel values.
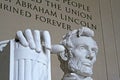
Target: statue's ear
(64, 56)
(60, 50)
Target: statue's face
(84, 55)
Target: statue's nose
(90, 55)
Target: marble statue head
(80, 52)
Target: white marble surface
(76, 52)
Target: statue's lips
(87, 64)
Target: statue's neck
(74, 76)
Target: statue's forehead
(83, 40)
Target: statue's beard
(80, 68)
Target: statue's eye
(94, 50)
(82, 47)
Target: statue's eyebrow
(87, 47)
(83, 45)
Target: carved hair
(67, 43)
(80, 32)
